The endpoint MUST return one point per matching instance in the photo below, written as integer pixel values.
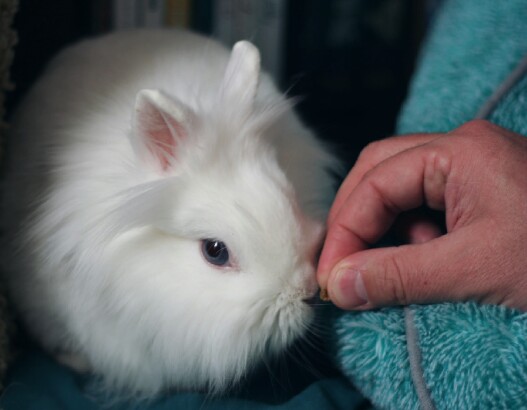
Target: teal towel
(463, 356)
(472, 357)
(472, 47)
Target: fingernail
(348, 288)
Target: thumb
(439, 270)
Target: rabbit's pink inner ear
(160, 134)
(159, 125)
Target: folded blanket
(450, 356)
(37, 382)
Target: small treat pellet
(324, 296)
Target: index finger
(370, 157)
(400, 183)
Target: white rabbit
(163, 211)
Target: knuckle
(477, 127)
(438, 165)
(438, 160)
(479, 138)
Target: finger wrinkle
(391, 207)
(341, 233)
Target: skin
(477, 176)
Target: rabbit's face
(230, 268)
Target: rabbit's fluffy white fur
(130, 151)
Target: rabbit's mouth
(298, 296)
(309, 296)
(315, 299)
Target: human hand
(477, 175)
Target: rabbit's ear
(240, 81)
(160, 123)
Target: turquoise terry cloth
(472, 47)
(462, 356)
(473, 357)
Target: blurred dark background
(349, 60)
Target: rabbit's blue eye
(215, 252)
